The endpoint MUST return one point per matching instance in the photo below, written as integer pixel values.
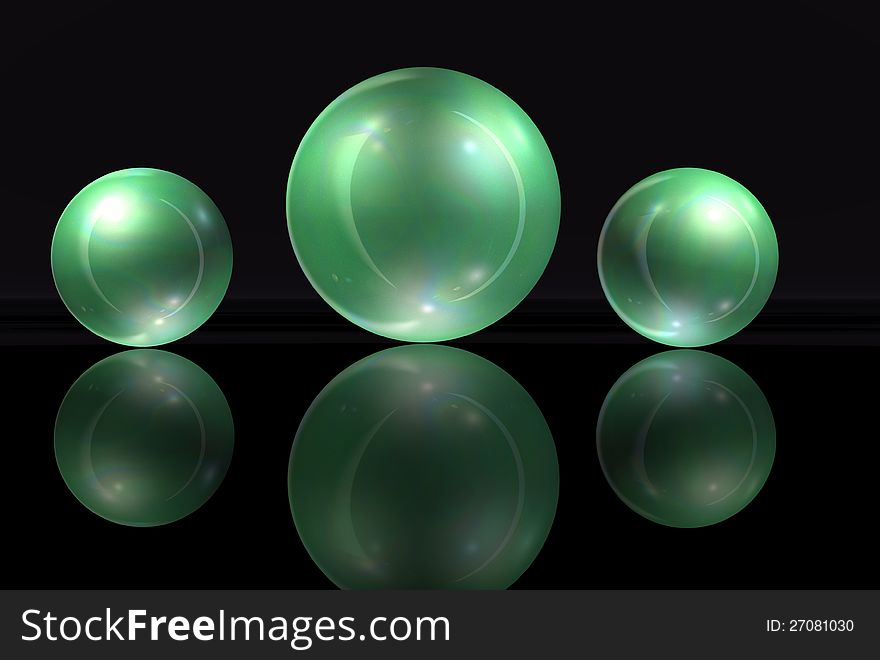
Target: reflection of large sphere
(686, 438)
(143, 438)
(687, 257)
(141, 257)
(423, 467)
(423, 204)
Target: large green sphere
(687, 257)
(143, 438)
(423, 204)
(423, 467)
(141, 257)
(686, 438)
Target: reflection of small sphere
(141, 257)
(687, 257)
(686, 438)
(423, 204)
(143, 438)
(423, 467)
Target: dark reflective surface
(811, 525)
(423, 466)
(143, 438)
(686, 438)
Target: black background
(781, 97)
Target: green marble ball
(686, 438)
(423, 467)
(423, 204)
(143, 438)
(687, 257)
(141, 257)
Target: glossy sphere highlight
(687, 257)
(141, 257)
(686, 438)
(423, 467)
(143, 438)
(423, 204)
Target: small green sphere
(423, 204)
(423, 467)
(143, 438)
(686, 438)
(141, 257)
(687, 257)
